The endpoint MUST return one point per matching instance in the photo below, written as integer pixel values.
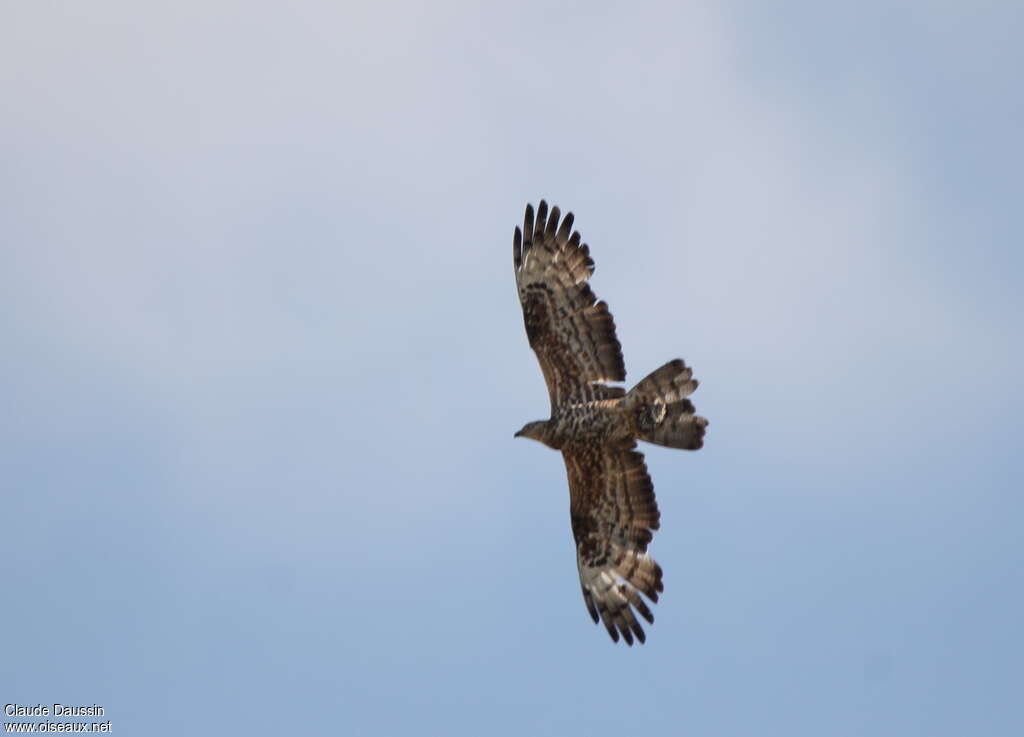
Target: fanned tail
(661, 410)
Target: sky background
(262, 359)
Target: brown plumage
(596, 426)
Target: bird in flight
(595, 425)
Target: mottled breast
(601, 422)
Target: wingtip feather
(551, 226)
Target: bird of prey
(597, 425)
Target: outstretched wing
(571, 332)
(614, 514)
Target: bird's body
(595, 425)
(601, 422)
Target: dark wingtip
(528, 228)
(517, 248)
(565, 229)
(639, 632)
(645, 612)
(551, 226)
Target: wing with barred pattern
(614, 514)
(571, 332)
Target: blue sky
(263, 360)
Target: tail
(661, 410)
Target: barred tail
(661, 410)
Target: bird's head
(534, 430)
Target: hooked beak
(518, 433)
